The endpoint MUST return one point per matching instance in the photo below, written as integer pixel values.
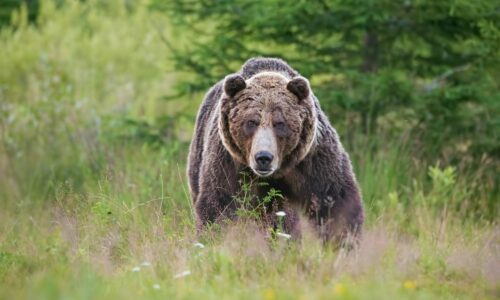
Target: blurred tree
(8, 6)
(424, 66)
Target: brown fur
(314, 174)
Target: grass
(87, 198)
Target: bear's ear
(233, 84)
(300, 87)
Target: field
(95, 205)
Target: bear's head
(267, 122)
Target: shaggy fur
(315, 174)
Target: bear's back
(257, 65)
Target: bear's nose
(263, 159)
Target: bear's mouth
(263, 173)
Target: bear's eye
(281, 129)
(279, 125)
(251, 124)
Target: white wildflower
(146, 264)
(199, 245)
(136, 269)
(284, 235)
(281, 213)
(156, 286)
(182, 274)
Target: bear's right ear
(300, 87)
(233, 84)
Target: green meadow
(94, 200)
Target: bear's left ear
(233, 84)
(299, 86)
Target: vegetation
(94, 137)
(420, 69)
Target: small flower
(339, 289)
(281, 213)
(199, 245)
(182, 274)
(146, 264)
(410, 285)
(284, 235)
(269, 294)
(156, 286)
(136, 269)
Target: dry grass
(242, 255)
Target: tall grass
(88, 193)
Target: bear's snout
(264, 157)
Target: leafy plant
(249, 204)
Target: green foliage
(13, 9)
(249, 205)
(67, 97)
(422, 66)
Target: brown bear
(265, 121)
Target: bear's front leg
(212, 207)
(218, 183)
(338, 215)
